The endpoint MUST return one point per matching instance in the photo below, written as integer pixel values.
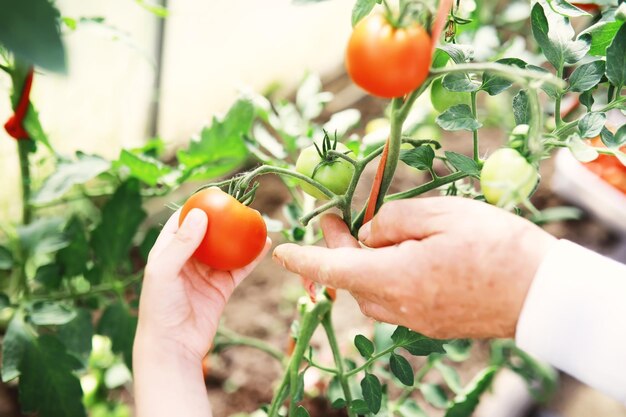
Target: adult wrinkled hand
(447, 267)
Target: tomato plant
(72, 266)
(235, 235)
(385, 60)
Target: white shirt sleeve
(574, 317)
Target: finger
(182, 244)
(348, 268)
(376, 312)
(413, 219)
(166, 235)
(239, 274)
(336, 232)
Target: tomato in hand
(235, 234)
(333, 173)
(442, 98)
(386, 61)
(507, 178)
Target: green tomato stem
(557, 102)
(334, 346)
(235, 339)
(266, 169)
(475, 131)
(337, 201)
(370, 361)
(435, 183)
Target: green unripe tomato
(442, 98)
(334, 175)
(507, 178)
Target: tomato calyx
(325, 154)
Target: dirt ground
(263, 305)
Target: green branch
(436, 183)
(236, 339)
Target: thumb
(184, 242)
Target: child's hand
(182, 299)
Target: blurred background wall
(137, 75)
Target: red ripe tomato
(235, 234)
(588, 7)
(608, 167)
(385, 61)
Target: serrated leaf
(616, 59)
(458, 117)
(121, 216)
(361, 9)
(465, 403)
(554, 33)
(146, 169)
(119, 325)
(74, 257)
(602, 33)
(6, 259)
(220, 147)
(415, 343)
(76, 335)
(68, 174)
(521, 108)
(434, 394)
(372, 392)
(29, 29)
(47, 365)
(50, 313)
(586, 76)
(460, 82)
(402, 369)
(591, 124)
(463, 163)
(581, 150)
(364, 346)
(17, 336)
(495, 84)
(49, 275)
(421, 157)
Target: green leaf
(220, 147)
(521, 108)
(602, 33)
(457, 53)
(410, 408)
(146, 169)
(364, 346)
(458, 350)
(586, 76)
(554, 34)
(434, 394)
(299, 387)
(6, 259)
(421, 157)
(463, 163)
(301, 412)
(49, 275)
(586, 99)
(360, 407)
(591, 124)
(549, 89)
(372, 392)
(402, 369)
(581, 150)
(32, 124)
(68, 174)
(17, 336)
(465, 403)
(51, 313)
(29, 29)
(74, 257)
(119, 325)
(310, 99)
(121, 216)
(42, 236)
(48, 386)
(361, 9)
(76, 335)
(567, 9)
(616, 59)
(460, 82)
(148, 242)
(450, 375)
(415, 343)
(458, 117)
(611, 140)
(495, 84)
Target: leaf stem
(431, 185)
(235, 339)
(475, 131)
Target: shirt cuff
(574, 317)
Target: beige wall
(212, 48)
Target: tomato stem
(475, 131)
(435, 183)
(235, 339)
(557, 101)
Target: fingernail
(195, 219)
(365, 231)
